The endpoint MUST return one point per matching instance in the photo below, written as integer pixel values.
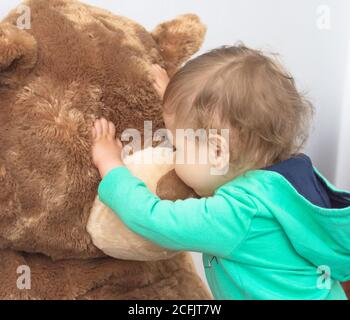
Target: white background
(318, 58)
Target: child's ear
(18, 54)
(219, 154)
(179, 39)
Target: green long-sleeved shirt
(253, 248)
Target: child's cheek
(183, 173)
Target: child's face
(193, 164)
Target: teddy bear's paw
(109, 233)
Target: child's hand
(106, 149)
(161, 79)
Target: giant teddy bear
(75, 63)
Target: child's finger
(159, 89)
(98, 128)
(157, 69)
(104, 126)
(162, 71)
(93, 133)
(154, 73)
(111, 128)
(156, 66)
(119, 143)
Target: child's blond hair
(247, 92)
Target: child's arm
(214, 225)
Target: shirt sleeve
(214, 225)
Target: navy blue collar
(299, 171)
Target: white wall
(317, 58)
(343, 174)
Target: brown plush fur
(103, 278)
(346, 287)
(76, 63)
(170, 187)
(172, 35)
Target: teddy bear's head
(74, 63)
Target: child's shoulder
(295, 174)
(250, 180)
(294, 182)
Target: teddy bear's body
(75, 63)
(103, 278)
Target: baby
(269, 225)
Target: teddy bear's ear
(179, 39)
(18, 54)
